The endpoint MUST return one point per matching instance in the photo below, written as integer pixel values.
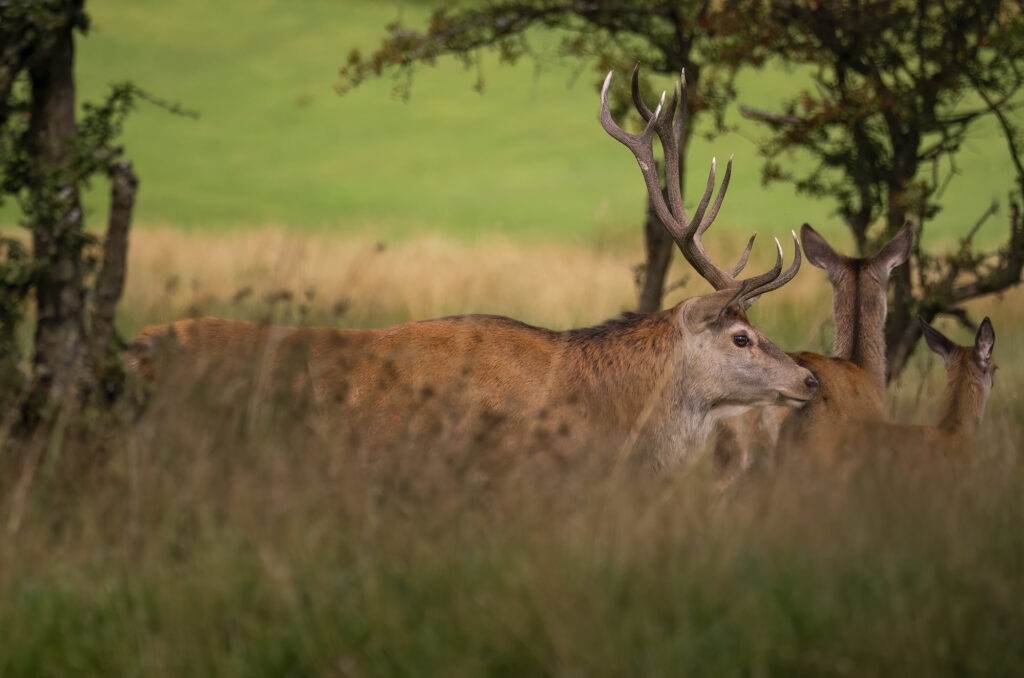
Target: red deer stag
(654, 383)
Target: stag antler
(685, 231)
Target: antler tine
(669, 130)
(706, 221)
(697, 243)
(669, 136)
(686, 232)
(642, 146)
(698, 215)
(677, 127)
(750, 285)
(634, 89)
(666, 121)
(741, 264)
(693, 246)
(768, 282)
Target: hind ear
(984, 341)
(896, 250)
(937, 341)
(817, 251)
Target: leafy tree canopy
(897, 85)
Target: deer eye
(741, 340)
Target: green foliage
(15, 283)
(98, 128)
(14, 161)
(665, 35)
(31, 21)
(895, 97)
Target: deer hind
(852, 380)
(655, 382)
(970, 373)
(969, 376)
(859, 297)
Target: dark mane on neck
(623, 325)
(630, 341)
(619, 364)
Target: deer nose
(812, 382)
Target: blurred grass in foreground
(214, 536)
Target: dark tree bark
(658, 246)
(110, 280)
(901, 328)
(57, 238)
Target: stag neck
(629, 369)
(620, 362)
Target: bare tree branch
(110, 280)
(771, 118)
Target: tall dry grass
(214, 534)
(350, 282)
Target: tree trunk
(110, 280)
(57, 237)
(658, 245)
(901, 329)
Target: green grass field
(276, 145)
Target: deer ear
(937, 341)
(818, 252)
(896, 250)
(700, 312)
(984, 341)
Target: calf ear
(984, 341)
(819, 252)
(896, 250)
(937, 341)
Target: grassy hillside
(276, 145)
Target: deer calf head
(970, 371)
